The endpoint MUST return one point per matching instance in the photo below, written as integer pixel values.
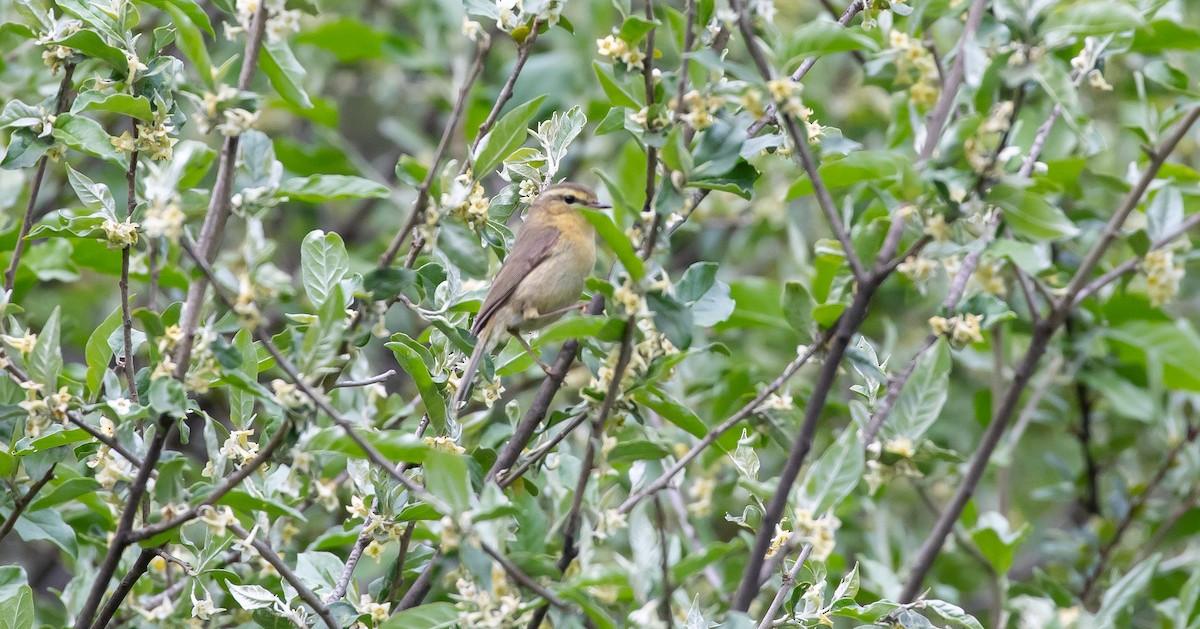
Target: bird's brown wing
(532, 247)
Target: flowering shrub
(892, 326)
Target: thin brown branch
(383, 377)
(1113, 228)
(520, 577)
(318, 399)
(219, 206)
(954, 79)
(230, 483)
(24, 501)
(711, 436)
(1037, 348)
(785, 588)
(801, 151)
(360, 544)
(420, 588)
(1135, 509)
(123, 284)
(35, 186)
(269, 555)
(422, 200)
(124, 587)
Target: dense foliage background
(892, 324)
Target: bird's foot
(520, 339)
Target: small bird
(542, 276)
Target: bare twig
(520, 577)
(711, 437)
(789, 580)
(270, 556)
(383, 377)
(954, 79)
(343, 582)
(123, 588)
(456, 113)
(1037, 348)
(230, 483)
(123, 283)
(35, 186)
(219, 206)
(24, 501)
(801, 151)
(1135, 508)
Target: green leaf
(396, 445)
(691, 564)
(95, 196)
(671, 318)
(285, 73)
(45, 361)
(191, 42)
(446, 477)
(65, 491)
(98, 352)
(507, 136)
(411, 362)
(167, 395)
(672, 410)
(798, 305)
(923, 396)
(1030, 214)
(126, 104)
(952, 614)
(16, 599)
(834, 475)
(47, 525)
(617, 241)
(1093, 18)
(251, 597)
(719, 150)
(387, 283)
(1029, 257)
(822, 38)
(87, 136)
(574, 328)
(619, 95)
(321, 188)
(428, 616)
(879, 167)
(323, 264)
(638, 450)
(1165, 34)
(348, 39)
(90, 43)
(997, 541)
(635, 28)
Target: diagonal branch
(1038, 345)
(35, 186)
(954, 79)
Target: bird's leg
(530, 316)
(520, 339)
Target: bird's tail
(483, 345)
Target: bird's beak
(600, 206)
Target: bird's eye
(570, 199)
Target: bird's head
(566, 197)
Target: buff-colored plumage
(544, 273)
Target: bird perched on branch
(541, 278)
